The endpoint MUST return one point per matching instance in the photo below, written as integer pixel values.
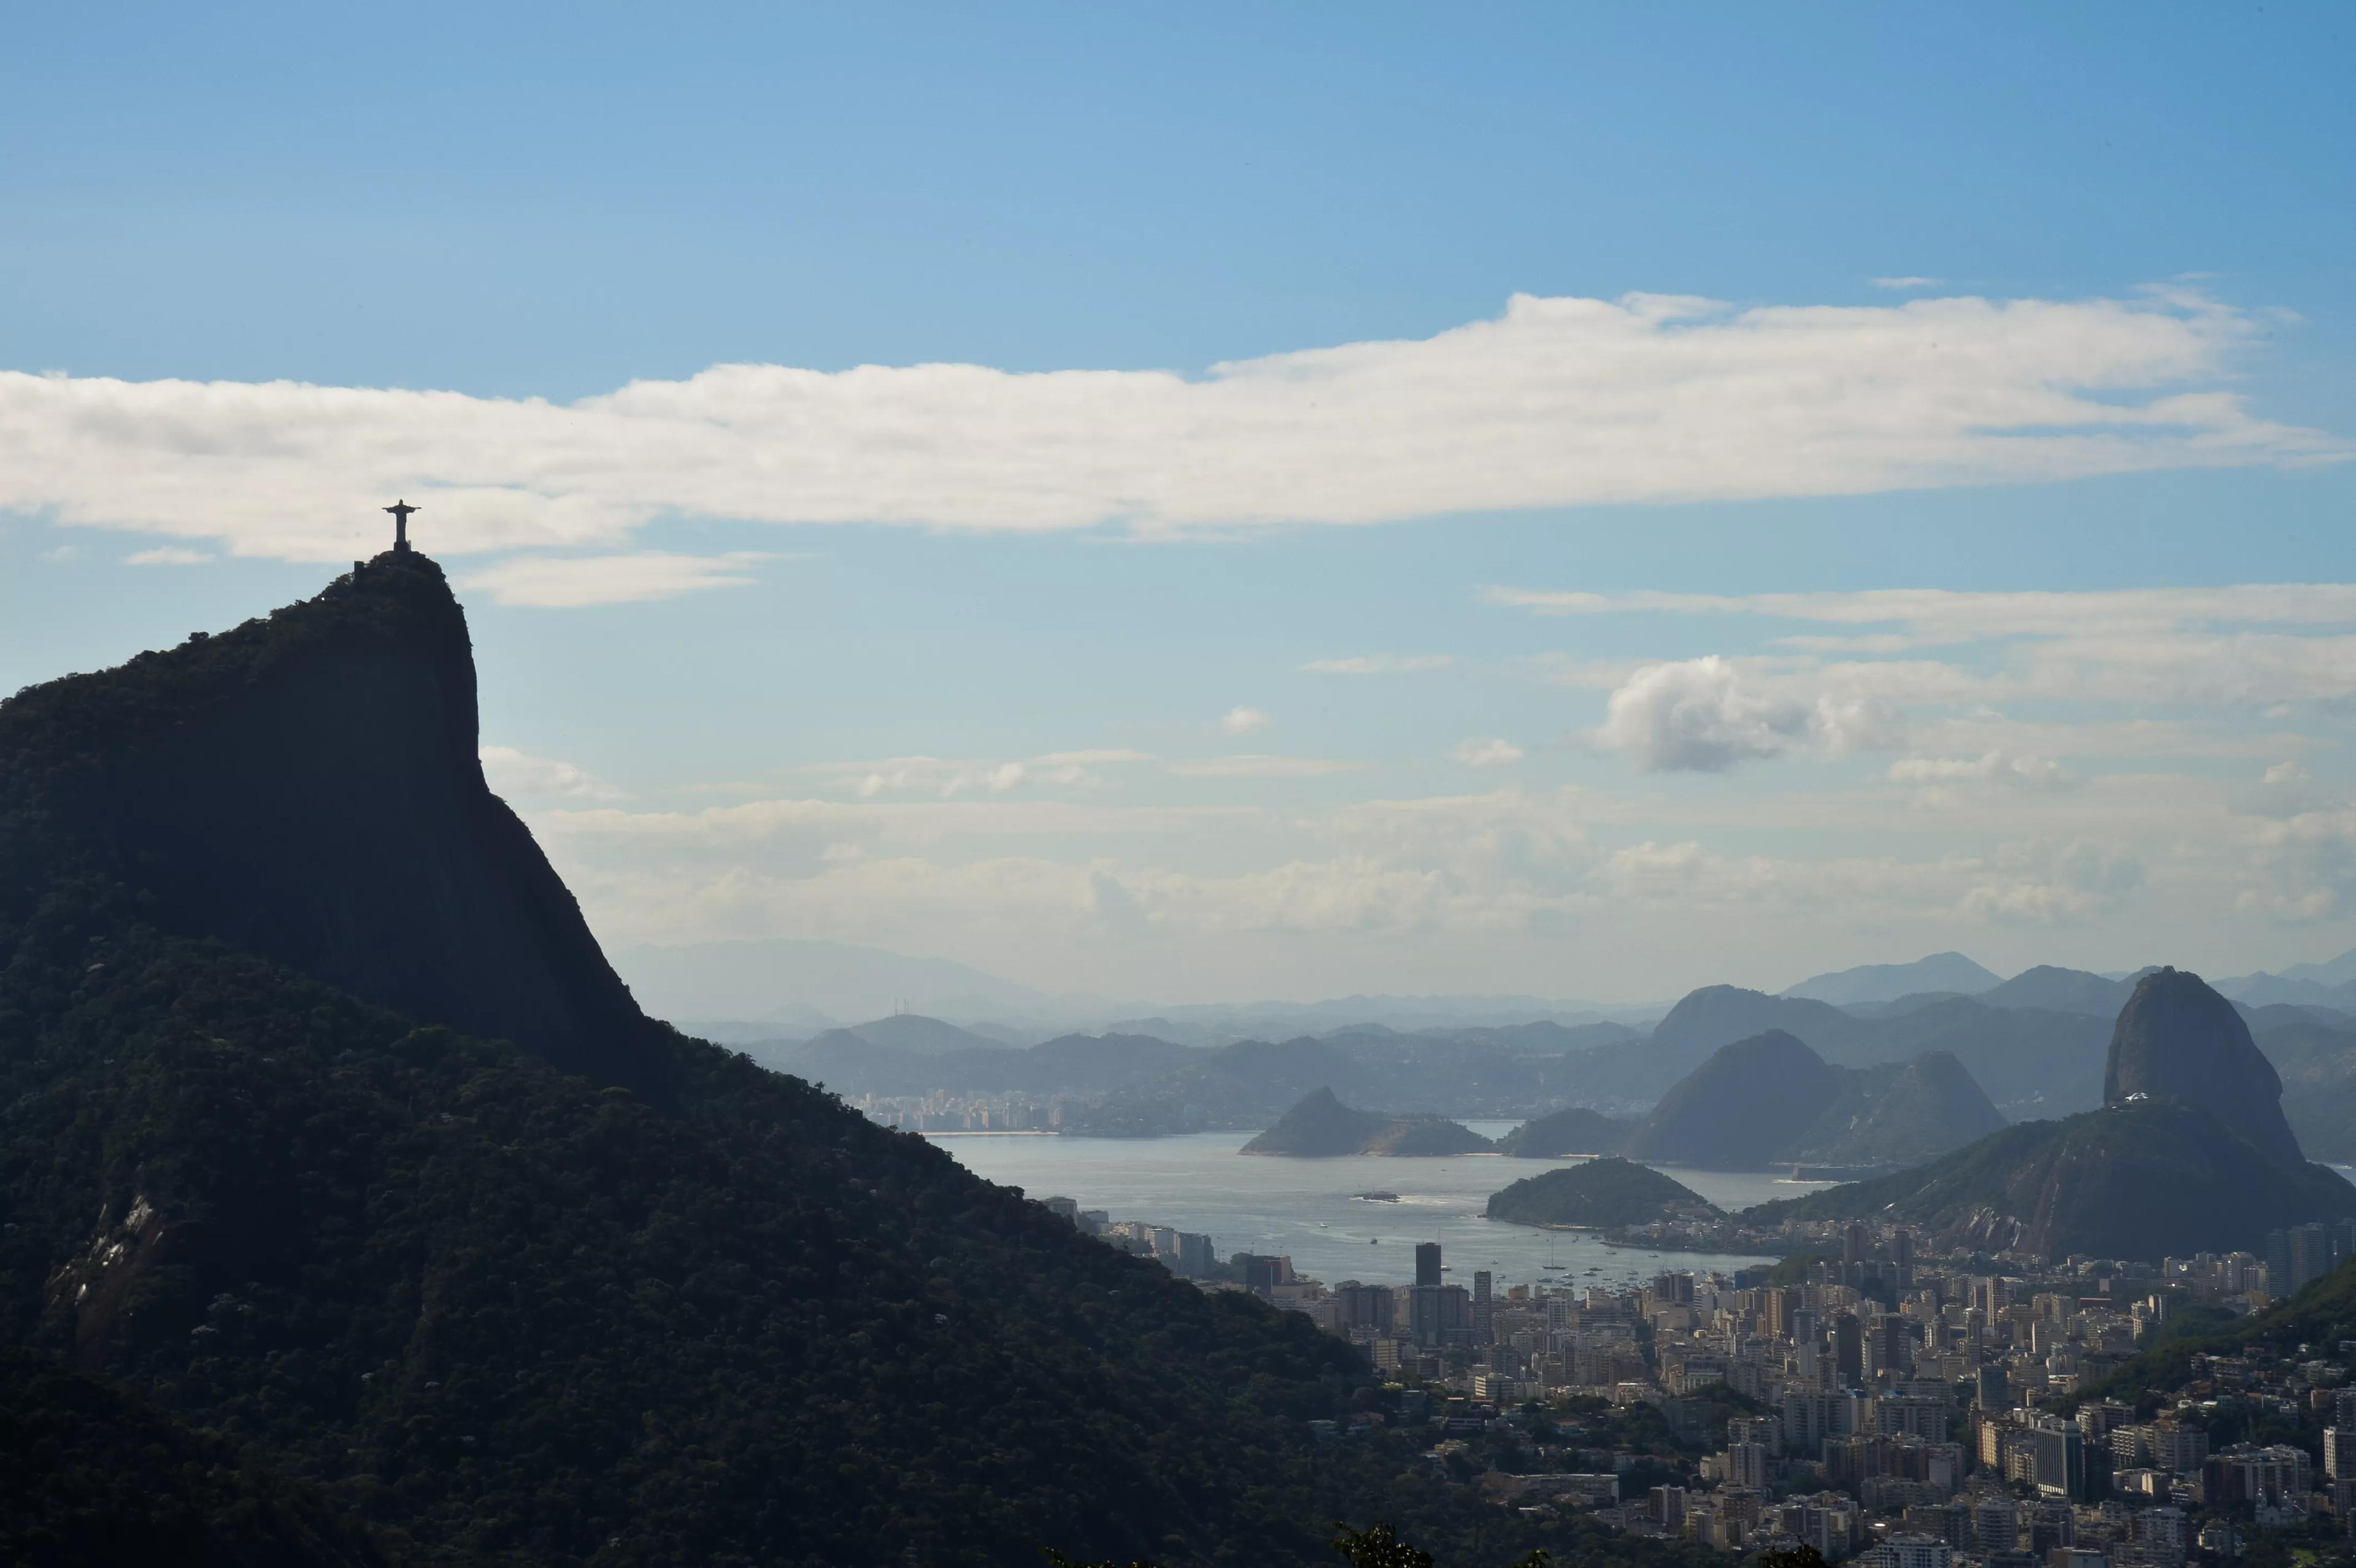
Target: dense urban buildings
(1858, 1397)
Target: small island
(1597, 1195)
(1321, 1127)
(1574, 1130)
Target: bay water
(1309, 1211)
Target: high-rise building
(1901, 1249)
(1853, 1244)
(1483, 1308)
(1427, 1264)
(1990, 1389)
(1196, 1257)
(2059, 1451)
(1749, 1465)
(2310, 1254)
(1365, 1306)
(1849, 1349)
(2278, 1263)
(2339, 1453)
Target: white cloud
(1933, 617)
(1907, 283)
(167, 555)
(1243, 721)
(1556, 402)
(519, 775)
(568, 582)
(948, 778)
(1705, 715)
(1378, 664)
(2241, 646)
(2287, 772)
(2011, 772)
(1255, 766)
(1489, 753)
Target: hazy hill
(849, 1064)
(2031, 1062)
(1575, 1130)
(1541, 1038)
(1769, 1100)
(2316, 1061)
(1596, 1193)
(1740, 1108)
(1900, 1116)
(914, 1034)
(1717, 1016)
(1321, 1127)
(1249, 1084)
(1944, 972)
(2058, 990)
(477, 1291)
(2145, 1180)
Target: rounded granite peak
(2178, 1037)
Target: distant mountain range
(1948, 972)
(2034, 1045)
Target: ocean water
(1307, 1209)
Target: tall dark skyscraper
(1849, 1349)
(1427, 1263)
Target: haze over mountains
(2033, 1044)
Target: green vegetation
(1596, 1194)
(2141, 1180)
(2323, 1313)
(96, 1475)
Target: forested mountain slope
(508, 1314)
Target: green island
(1596, 1195)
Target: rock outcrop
(2177, 1038)
(306, 786)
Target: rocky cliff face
(307, 788)
(2176, 1038)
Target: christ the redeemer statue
(400, 510)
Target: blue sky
(941, 661)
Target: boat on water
(1378, 1197)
